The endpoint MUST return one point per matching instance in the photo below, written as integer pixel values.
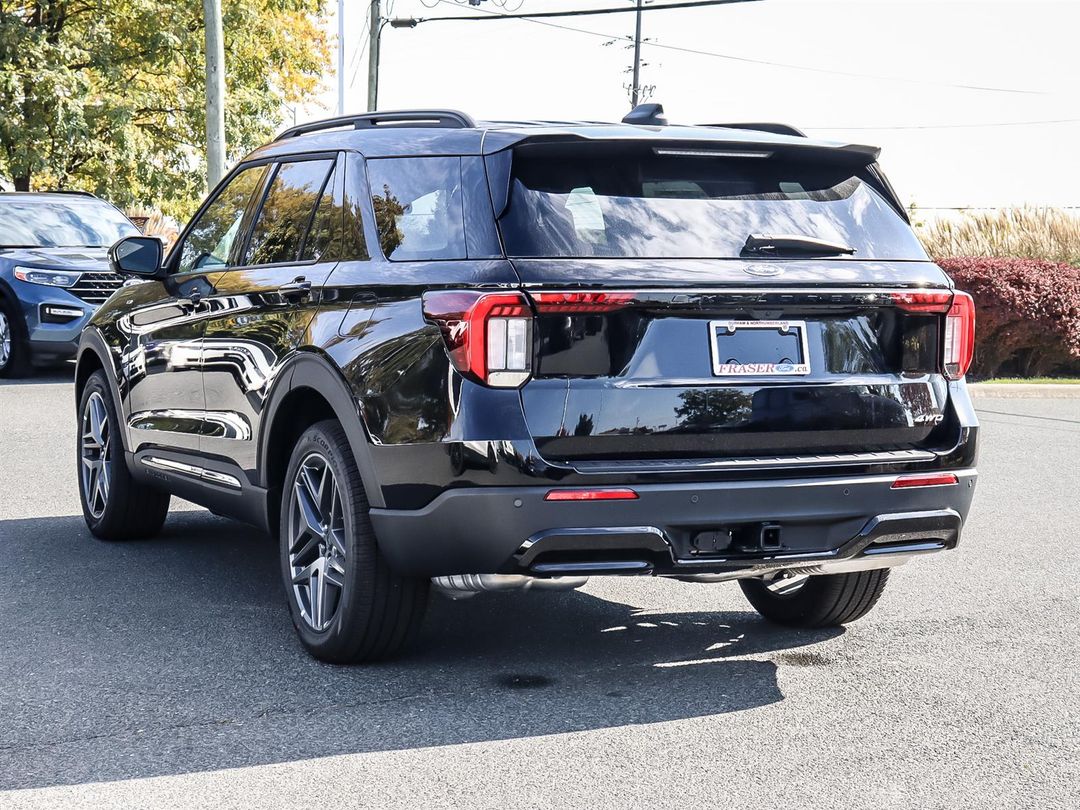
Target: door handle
(296, 289)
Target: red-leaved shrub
(1027, 314)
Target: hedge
(1027, 315)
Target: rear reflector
(932, 480)
(591, 495)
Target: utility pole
(215, 93)
(635, 91)
(341, 57)
(375, 34)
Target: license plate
(759, 348)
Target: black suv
(426, 351)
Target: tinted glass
(418, 209)
(596, 200)
(336, 230)
(82, 222)
(286, 212)
(211, 238)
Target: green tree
(108, 95)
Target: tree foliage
(109, 95)
(1027, 314)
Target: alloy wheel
(5, 340)
(317, 542)
(94, 454)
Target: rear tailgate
(815, 359)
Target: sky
(973, 103)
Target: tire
(115, 505)
(14, 347)
(346, 603)
(828, 600)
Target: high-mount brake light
(610, 494)
(580, 302)
(488, 335)
(928, 480)
(958, 339)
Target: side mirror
(137, 256)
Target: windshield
(656, 202)
(81, 222)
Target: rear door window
(286, 214)
(418, 207)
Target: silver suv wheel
(94, 453)
(316, 542)
(5, 340)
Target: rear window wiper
(769, 244)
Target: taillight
(959, 337)
(488, 335)
(580, 302)
(918, 301)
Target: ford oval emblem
(763, 269)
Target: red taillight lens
(580, 302)
(591, 495)
(959, 337)
(930, 480)
(488, 335)
(932, 302)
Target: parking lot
(167, 672)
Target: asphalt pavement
(166, 672)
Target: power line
(531, 18)
(956, 126)
(581, 12)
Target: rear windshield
(656, 202)
(82, 222)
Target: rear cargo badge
(763, 269)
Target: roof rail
(451, 119)
(76, 192)
(775, 129)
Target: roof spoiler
(775, 129)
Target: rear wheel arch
(309, 390)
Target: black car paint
(208, 368)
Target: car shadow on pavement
(177, 655)
(44, 376)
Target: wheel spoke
(334, 573)
(304, 545)
(317, 596)
(304, 575)
(309, 511)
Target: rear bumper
(676, 528)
